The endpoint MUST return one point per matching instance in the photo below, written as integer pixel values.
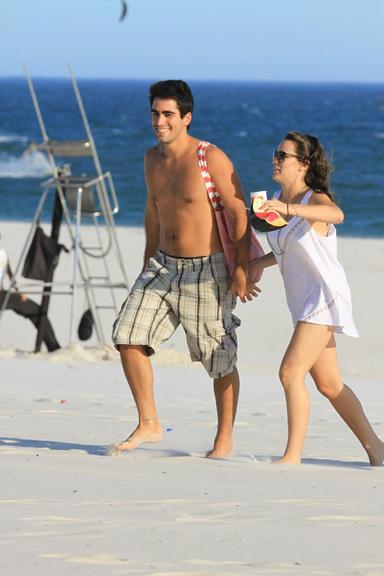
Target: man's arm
(10, 275)
(229, 187)
(151, 221)
(8, 270)
(23, 297)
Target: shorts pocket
(215, 331)
(220, 347)
(217, 334)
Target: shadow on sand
(337, 463)
(93, 449)
(331, 463)
(51, 445)
(98, 450)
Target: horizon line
(208, 80)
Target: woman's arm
(264, 262)
(320, 208)
(267, 260)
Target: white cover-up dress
(316, 287)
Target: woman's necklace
(300, 194)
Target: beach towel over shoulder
(224, 223)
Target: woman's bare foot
(148, 430)
(376, 456)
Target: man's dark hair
(177, 90)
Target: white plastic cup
(261, 194)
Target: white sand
(164, 509)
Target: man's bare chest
(179, 183)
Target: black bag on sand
(42, 256)
(85, 328)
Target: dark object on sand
(85, 328)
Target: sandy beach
(164, 509)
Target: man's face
(167, 122)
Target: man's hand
(242, 286)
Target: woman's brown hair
(310, 151)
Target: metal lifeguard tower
(97, 264)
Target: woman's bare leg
(327, 377)
(307, 343)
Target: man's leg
(138, 371)
(211, 338)
(226, 395)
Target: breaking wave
(28, 165)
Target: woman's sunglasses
(280, 156)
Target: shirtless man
(185, 278)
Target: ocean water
(246, 120)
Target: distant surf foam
(28, 165)
(8, 138)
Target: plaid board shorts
(193, 292)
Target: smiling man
(185, 278)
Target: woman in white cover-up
(317, 292)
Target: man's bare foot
(147, 431)
(376, 456)
(222, 448)
(287, 460)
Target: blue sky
(278, 40)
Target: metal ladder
(78, 199)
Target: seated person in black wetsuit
(22, 305)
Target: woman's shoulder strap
(306, 197)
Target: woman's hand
(277, 205)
